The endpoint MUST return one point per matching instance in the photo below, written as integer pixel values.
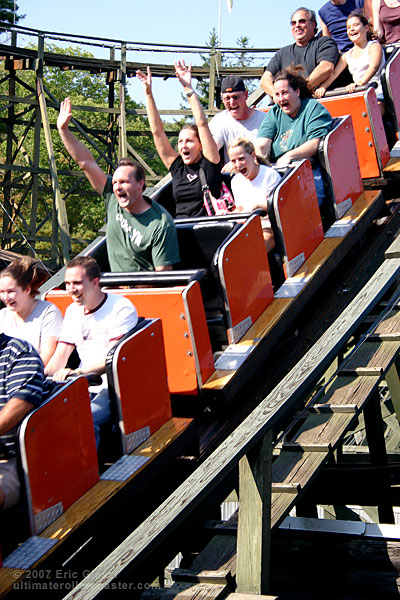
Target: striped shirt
(21, 376)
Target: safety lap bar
(152, 278)
(342, 90)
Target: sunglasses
(299, 22)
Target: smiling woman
(197, 149)
(25, 317)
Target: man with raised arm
(92, 324)
(141, 235)
(317, 55)
(22, 388)
(237, 120)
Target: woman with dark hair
(24, 316)
(196, 149)
(294, 126)
(364, 60)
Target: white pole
(219, 25)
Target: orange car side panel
(342, 164)
(392, 75)
(245, 276)
(140, 378)
(180, 349)
(298, 217)
(59, 449)
(357, 105)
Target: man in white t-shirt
(237, 120)
(92, 324)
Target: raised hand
(65, 114)
(184, 73)
(145, 79)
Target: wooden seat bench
(172, 439)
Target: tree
(84, 208)
(239, 59)
(8, 12)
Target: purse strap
(206, 192)
(203, 180)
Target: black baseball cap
(232, 83)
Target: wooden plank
(347, 392)
(372, 358)
(393, 382)
(254, 531)
(322, 432)
(377, 451)
(70, 521)
(217, 561)
(394, 249)
(187, 591)
(237, 596)
(392, 166)
(136, 549)
(281, 504)
(296, 468)
(59, 203)
(389, 328)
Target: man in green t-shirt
(141, 235)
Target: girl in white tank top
(365, 60)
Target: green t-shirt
(312, 121)
(139, 242)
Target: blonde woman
(252, 183)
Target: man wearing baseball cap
(237, 120)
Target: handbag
(225, 202)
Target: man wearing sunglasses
(237, 120)
(318, 55)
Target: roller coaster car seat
(338, 157)
(57, 453)
(199, 242)
(137, 383)
(390, 79)
(295, 216)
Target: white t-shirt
(225, 129)
(251, 194)
(91, 333)
(44, 321)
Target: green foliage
(85, 209)
(239, 59)
(7, 14)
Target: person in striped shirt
(23, 387)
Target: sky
(264, 22)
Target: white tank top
(358, 66)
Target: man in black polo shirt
(22, 388)
(318, 55)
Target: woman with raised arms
(196, 149)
